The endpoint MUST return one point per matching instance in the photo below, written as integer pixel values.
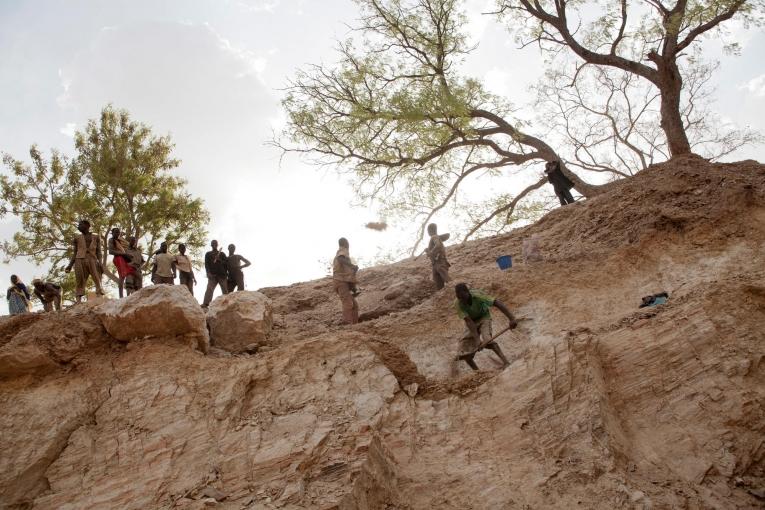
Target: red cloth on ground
(123, 268)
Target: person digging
(474, 307)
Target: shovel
(483, 344)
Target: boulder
(156, 311)
(45, 341)
(240, 319)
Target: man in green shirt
(474, 307)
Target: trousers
(349, 304)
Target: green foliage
(396, 112)
(121, 176)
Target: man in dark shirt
(561, 184)
(217, 272)
(235, 265)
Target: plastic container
(505, 262)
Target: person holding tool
(474, 307)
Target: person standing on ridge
(163, 271)
(217, 271)
(344, 278)
(86, 260)
(561, 184)
(48, 293)
(235, 265)
(134, 280)
(116, 247)
(437, 255)
(185, 271)
(474, 307)
(17, 296)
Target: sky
(211, 72)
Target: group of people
(19, 300)
(222, 270)
(472, 305)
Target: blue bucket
(505, 262)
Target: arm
(112, 248)
(25, 291)
(38, 295)
(444, 237)
(207, 263)
(74, 254)
(175, 270)
(502, 308)
(347, 262)
(472, 328)
(246, 263)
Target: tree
(623, 32)
(120, 176)
(397, 113)
(609, 119)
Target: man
(217, 271)
(235, 265)
(437, 255)
(134, 280)
(116, 247)
(86, 260)
(344, 278)
(185, 271)
(48, 293)
(474, 307)
(163, 270)
(561, 184)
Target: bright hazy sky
(209, 72)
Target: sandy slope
(604, 406)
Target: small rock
(212, 492)
(411, 389)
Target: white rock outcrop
(156, 311)
(240, 320)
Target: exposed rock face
(604, 405)
(156, 311)
(42, 343)
(240, 319)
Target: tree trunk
(670, 85)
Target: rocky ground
(605, 405)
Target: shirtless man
(86, 260)
(235, 265)
(134, 280)
(48, 293)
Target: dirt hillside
(605, 405)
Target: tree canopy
(121, 175)
(398, 113)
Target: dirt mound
(605, 405)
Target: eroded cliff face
(604, 405)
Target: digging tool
(483, 344)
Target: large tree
(647, 38)
(397, 112)
(122, 175)
(608, 120)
